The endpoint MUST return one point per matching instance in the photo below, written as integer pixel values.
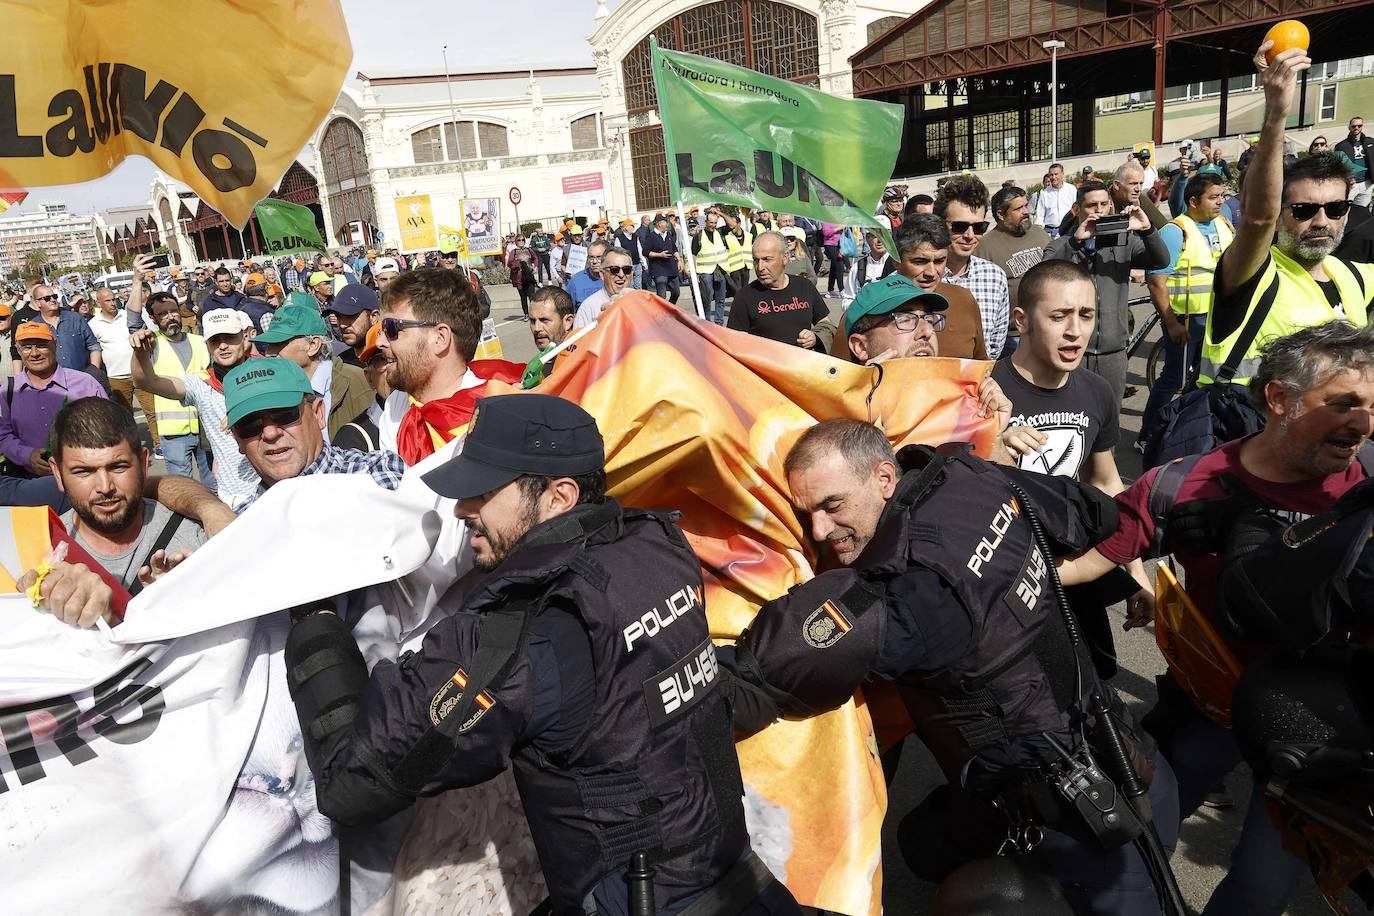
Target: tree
(35, 263)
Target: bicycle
(1154, 360)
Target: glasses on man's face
(619, 271)
(1318, 144)
(448, 255)
(1335, 209)
(1359, 126)
(959, 226)
(251, 426)
(49, 298)
(907, 321)
(392, 327)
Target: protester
(1126, 190)
(225, 295)
(922, 253)
(962, 203)
(521, 263)
(295, 276)
(176, 353)
(588, 281)
(110, 326)
(229, 345)
(34, 395)
(739, 241)
(299, 334)
(662, 253)
(1014, 245)
(322, 289)
(710, 255)
(202, 288)
(1178, 185)
(1359, 150)
(1110, 266)
(799, 263)
(627, 237)
(779, 306)
(1182, 292)
(77, 346)
(1281, 260)
(354, 310)
(254, 302)
(384, 271)
(874, 265)
(278, 422)
(1053, 202)
(918, 205)
(616, 274)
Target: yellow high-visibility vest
(1190, 282)
(713, 252)
(173, 417)
(739, 252)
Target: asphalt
(1206, 838)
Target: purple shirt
(26, 419)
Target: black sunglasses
(1335, 209)
(392, 327)
(619, 271)
(448, 255)
(251, 426)
(46, 298)
(959, 227)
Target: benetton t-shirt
(778, 314)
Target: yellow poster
(1147, 146)
(419, 231)
(452, 235)
(87, 85)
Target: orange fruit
(1287, 34)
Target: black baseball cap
(354, 299)
(512, 435)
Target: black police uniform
(950, 600)
(584, 661)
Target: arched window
(474, 139)
(773, 38)
(347, 181)
(586, 132)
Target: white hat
(385, 264)
(223, 321)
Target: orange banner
(698, 418)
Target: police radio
(1095, 797)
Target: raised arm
(144, 376)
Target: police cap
(512, 435)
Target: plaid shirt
(988, 284)
(386, 468)
(292, 276)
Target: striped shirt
(236, 478)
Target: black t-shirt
(19, 316)
(778, 314)
(1080, 419)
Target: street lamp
(462, 172)
(1053, 46)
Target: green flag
(287, 227)
(736, 136)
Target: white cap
(223, 321)
(385, 264)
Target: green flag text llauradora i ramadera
(736, 136)
(287, 227)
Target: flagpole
(691, 263)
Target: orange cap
(33, 330)
(370, 344)
(254, 280)
(273, 289)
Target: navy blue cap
(354, 299)
(512, 435)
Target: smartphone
(1111, 230)
(159, 260)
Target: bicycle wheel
(1154, 362)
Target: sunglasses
(907, 321)
(619, 271)
(51, 298)
(392, 327)
(448, 255)
(1335, 209)
(251, 426)
(959, 227)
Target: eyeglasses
(959, 227)
(1335, 209)
(50, 298)
(619, 271)
(1317, 143)
(1359, 126)
(251, 426)
(392, 327)
(448, 255)
(907, 321)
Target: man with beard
(617, 270)
(1293, 282)
(361, 432)
(354, 310)
(175, 354)
(1014, 244)
(541, 669)
(551, 320)
(228, 342)
(34, 395)
(102, 467)
(431, 323)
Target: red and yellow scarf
(426, 428)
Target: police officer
(582, 659)
(945, 592)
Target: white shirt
(394, 411)
(1054, 204)
(113, 334)
(1151, 177)
(873, 270)
(322, 380)
(591, 308)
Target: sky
(398, 36)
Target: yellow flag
(418, 229)
(89, 84)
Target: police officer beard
(501, 539)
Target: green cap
(263, 384)
(293, 321)
(1210, 169)
(303, 299)
(883, 296)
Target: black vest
(964, 523)
(655, 770)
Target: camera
(1112, 230)
(159, 260)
